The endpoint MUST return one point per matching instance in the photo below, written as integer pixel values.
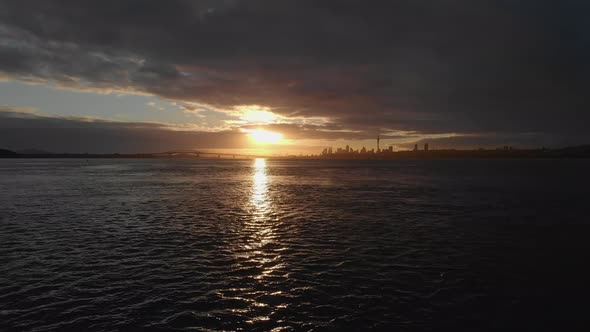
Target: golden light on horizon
(261, 136)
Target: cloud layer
(20, 131)
(487, 68)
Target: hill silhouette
(7, 153)
(33, 151)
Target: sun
(264, 136)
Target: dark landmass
(33, 151)
(568, 152)
(8, 154)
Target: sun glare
(255, 116)
(264, 137)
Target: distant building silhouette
(506, 151)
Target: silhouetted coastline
(568, 152)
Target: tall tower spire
(378, 138)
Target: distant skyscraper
(378, 138)
(415, 147)
(426, 147)
(347, 149)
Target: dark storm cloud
(510, 67)
(20, 131)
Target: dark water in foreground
(301, 245)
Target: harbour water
(411, 245)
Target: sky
(291, 77)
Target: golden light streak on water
(260, 199)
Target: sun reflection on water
(260, 226)
(258, 252)
(260, 199)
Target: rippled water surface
(107, 245)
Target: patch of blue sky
(49, 100)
